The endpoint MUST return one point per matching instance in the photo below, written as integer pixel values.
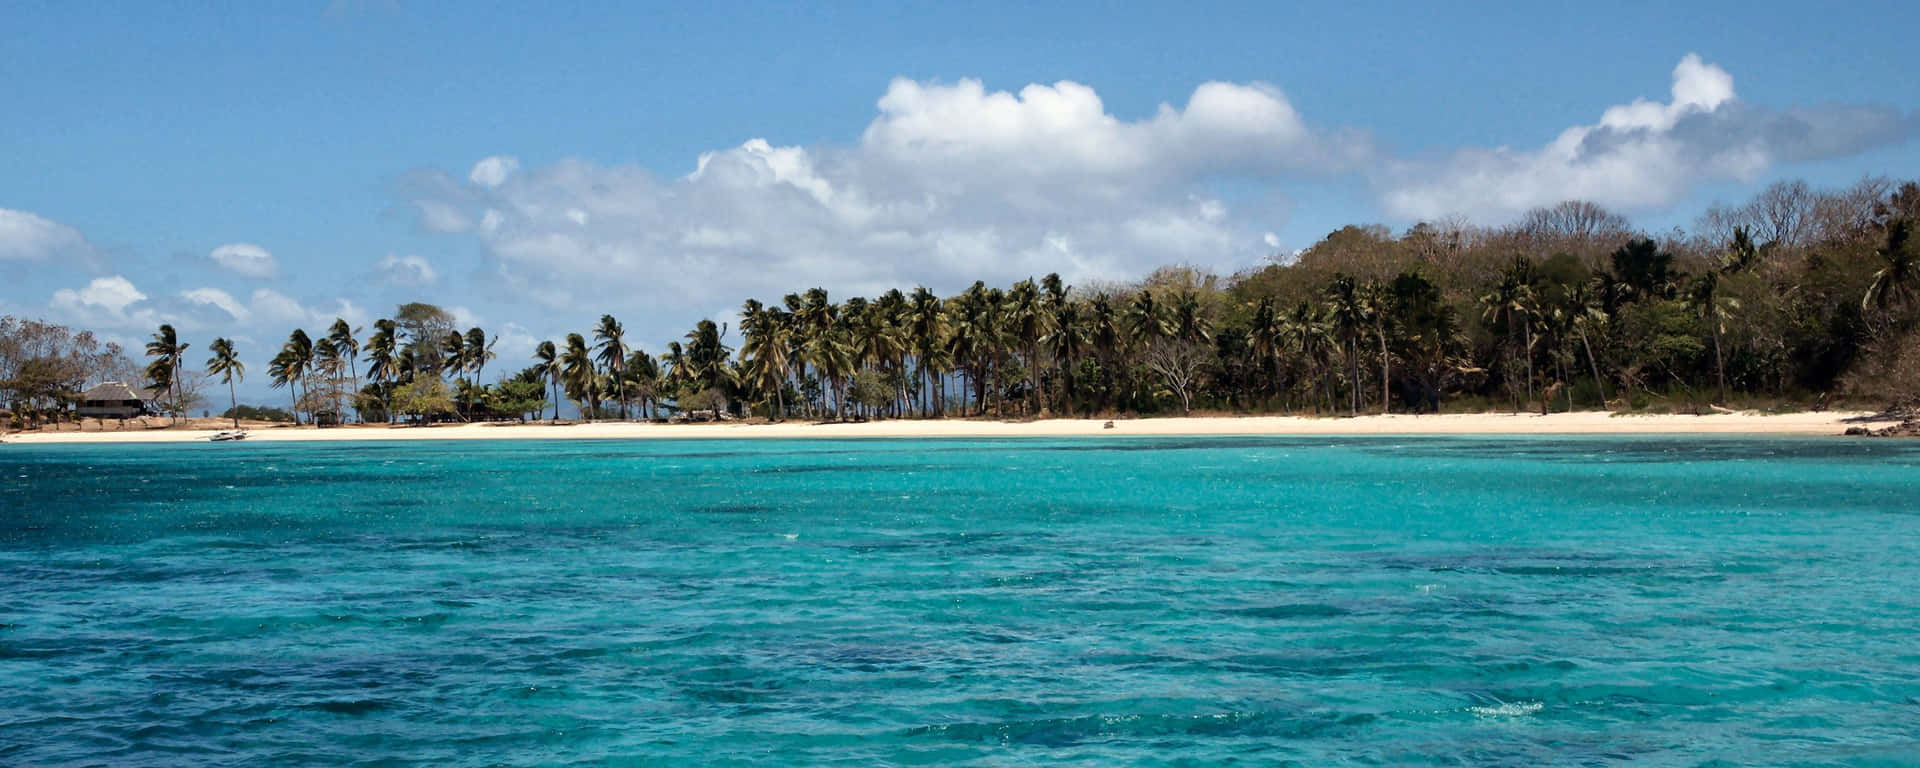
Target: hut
(112, 400)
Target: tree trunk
(1527, 324)
(1386, 386)
(233, 402)
(1720, 363)
(1595, 364)
(1353, 362)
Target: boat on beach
(228, 436)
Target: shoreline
(1830, 423)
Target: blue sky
(332, 155)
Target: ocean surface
(1514, 601)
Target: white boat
(229, 435)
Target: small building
(112, 400)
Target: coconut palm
(1026, 325)
(1066, 340)
(1106, 334)
(327, 368)
(549, 366)
(163, 373)
(1347, 316)
(1511, 305)
(293, 364)
(228, 367)
(765, 349)
(1146, 320)
(827, 348)
(1265, 335)
(1312, 337)
(576, 365)
(479, 349)
(1377, 303)
(382, 366)
(1898, 278)
(1704, 298)
(1588, 305)
(345, 340)
(927, 329)
(611, 343)
(643, 380)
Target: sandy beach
(1583, 423)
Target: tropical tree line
(1793, 296)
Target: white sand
(1809, 423)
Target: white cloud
(1640, 155)
(215, 297)
(492, 171)
(112, 294)
(949, 183)
(407, 270)
(246, 260)
(28, 237)
(105, 302)
(277, 310)
(442, 217)
(952, 182)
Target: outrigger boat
(229, 435)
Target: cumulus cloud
(276, 310)
(111, 302)
(950, 182)
(214, 297)
(28, 237)
(1639, 155)
(110, 294)
(246, 260)
(406, 270)
(493, 171)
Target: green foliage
(424, 399)
(871, 390)
(257, 413)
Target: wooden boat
(229, 436)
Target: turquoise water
(1390, 601)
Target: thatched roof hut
(112, 400)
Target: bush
(256, 413)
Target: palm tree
(1313, 336)
(166, 350)
(611, 342)
(927, 329)
(228, 367)
(1899, 275)
(1266, 334)
(478, 351)
(577, 366)
(643, 377)
(1106, 332)
(826, 348)
(382, 366)
(1026, 324)
(344, 339)
(1707, 303)
(1512, 300)
(1146, 321)
(327, 367)
(1589, 315)
(765, 349)
(549, 365)
(293, 363)
(453, 355)
(1347, 314)
(1066, 340)
(1378, 304)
